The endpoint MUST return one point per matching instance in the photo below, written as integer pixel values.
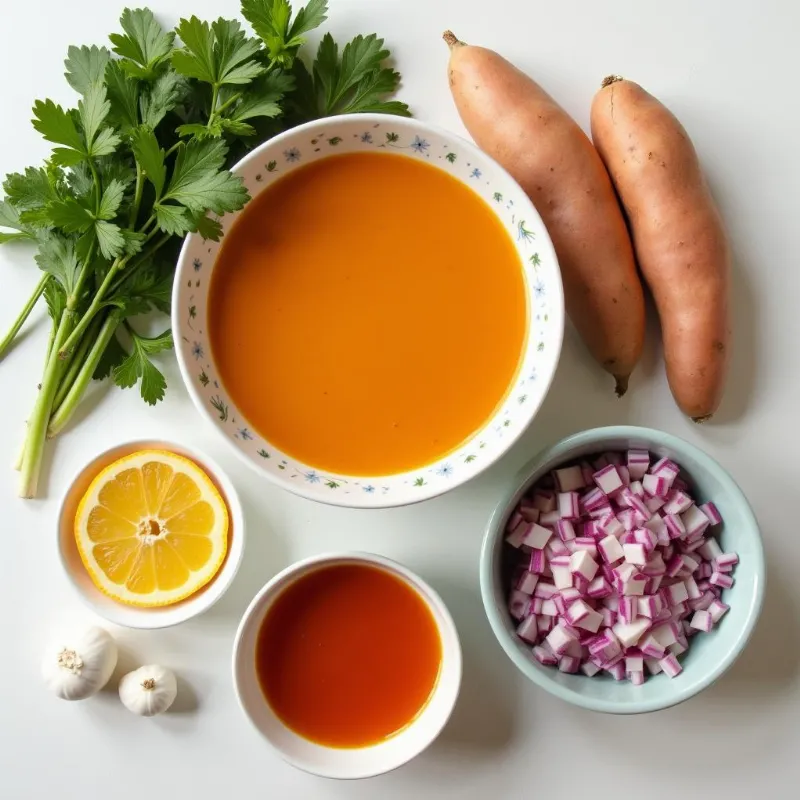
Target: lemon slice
(152, 529)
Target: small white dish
(345, 763)
(398, 138)
(131, 616)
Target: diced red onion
(712, 513)
(549, 518)
(589, 669)
(718, 609)
(518, 603)
(527, 582)
(544, 656)
(635, 554)
(608, 480)
(702, 621)
(721, 580)
(658, 581)
(565, 530)
(544, 500)
(537, 562)
(528, 629)
(656, 486)
(638, 462)
(568, 479)
(670, 665)
(725, 560)
(653, 667)
(537, 536)
(677, 502)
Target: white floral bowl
(462, 160)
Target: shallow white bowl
(402, 138)
(330, 762)
(131, 616)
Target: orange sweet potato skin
(517, 123)
(678, 237)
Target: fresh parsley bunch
(144, 159)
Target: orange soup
(367, 313)
(348, 655)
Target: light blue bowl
(709, 655)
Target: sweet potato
(516, 122)
(678, 236)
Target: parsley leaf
(9, 218)
(145, 45)
(123, 96)
(93, 110)
(149, 156)
(56, 255)
(138, 366)
(263, 97)
(219, 54)
(56, 300)
(58, 126)
(162, 97)
(199, 183)
(70, 215)
(86, 67)
(110, 238)
(209, 228)
(34, 189)
(172, 219)
(152, 287)
(354, 82)
(270, 21)
(111, 200)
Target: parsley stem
(40, 417)
(66, 408)
(94, 307)
(75, 360)
(172, 149)
(225, 105)
(214, 96)
(86, 270)
(20, 320)
(137, 197)
(97, 188)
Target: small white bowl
(131, 616)
(345, 763)
(480, 174)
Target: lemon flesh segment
(152, 529)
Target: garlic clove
(78, 666)
(149, 690)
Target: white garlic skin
(149, 690)
(79, 666)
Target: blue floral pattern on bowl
(403, 138)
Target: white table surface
(729, 70)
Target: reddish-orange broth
(367, 313)
(348, 655)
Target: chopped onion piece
(537, 536)
(721, 580)
(670, 665)
(568, 479)
(528, 629)
(717, 609)
(702, 621)
(544, 656)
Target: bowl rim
(139, 618)
(522, 482)
(286, 576)
(433, 491)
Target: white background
(729, 70)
